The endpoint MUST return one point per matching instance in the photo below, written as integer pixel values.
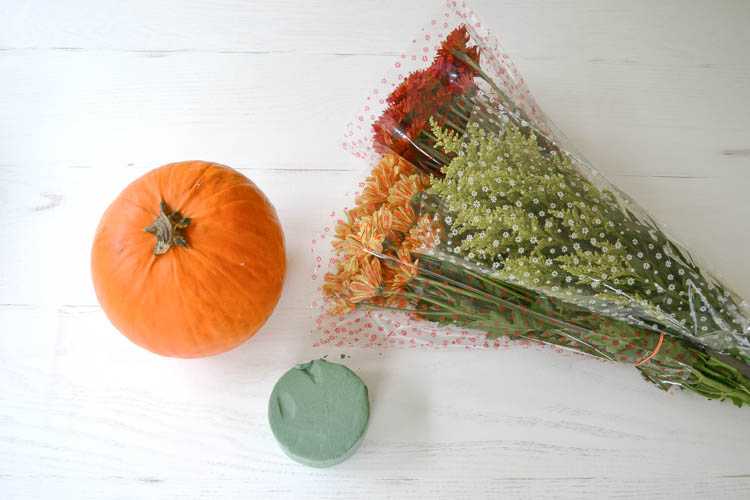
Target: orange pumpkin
(188, 261)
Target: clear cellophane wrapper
(531, 244)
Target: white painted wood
(93, 94)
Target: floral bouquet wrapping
(479, 225)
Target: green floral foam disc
(319, 413)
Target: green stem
(439, 304)
(430, 152)
(450, 123)
(495, 284)
(455, 109)
(510, 305)
(404, 310)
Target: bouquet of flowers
(478, 218)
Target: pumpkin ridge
(137, 284)
(252, 229)
(192, 192)
(150, 187)
(137, 205)
(232, 202)
(132, 251)
(240, 183)
(209, 262)
(250, 224)
(195, 292)
(249, 230)
(252, 272)
(146, 278)
(181, 296)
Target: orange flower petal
(367, 283)
(340, 307)
(403, 218)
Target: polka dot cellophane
(381, 328)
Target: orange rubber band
(653, 353)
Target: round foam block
(319, 413)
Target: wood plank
(86, 413)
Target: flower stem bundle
(476, 217)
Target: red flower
(414, 80)
(456, 41)
(446, 67)
(424, 94)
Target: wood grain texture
(94, 94)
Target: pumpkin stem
(168, 229)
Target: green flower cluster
(530, 217)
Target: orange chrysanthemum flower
(372, 231)
(359, 211)
(400, 164)
(337, 288)
(372, 196)
(349, 263)
(406, 268)
(406, 188)
(399, 272)
(403, 219)
(382, 220)
(344, 229)
(340, 306)
(367, 284)
(368, 239)
(385, 174)
(336, 284)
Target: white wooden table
(95, 93)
